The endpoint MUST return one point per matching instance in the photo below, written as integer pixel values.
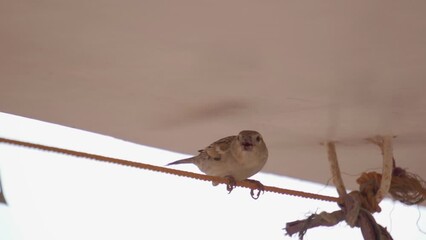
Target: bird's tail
(186, 160)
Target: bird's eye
(258, 138)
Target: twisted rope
(180, 173)
(335, 169)
(387, 168)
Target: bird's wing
(217, 149)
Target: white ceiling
(182, 74)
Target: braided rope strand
(335, 169)
(387, 168)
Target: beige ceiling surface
(181, 74)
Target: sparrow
(235, 158)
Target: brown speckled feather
(218, 148)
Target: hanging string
(335, 170)
(387, 168)
(181, 173)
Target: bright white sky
(53, 196)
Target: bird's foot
(259, 187)
(231, 183)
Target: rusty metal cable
(123, 162)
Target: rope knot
(369, 184)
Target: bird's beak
(247, 145)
